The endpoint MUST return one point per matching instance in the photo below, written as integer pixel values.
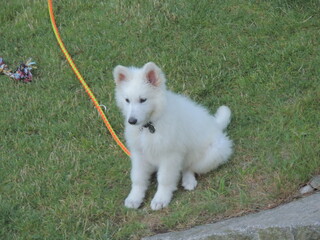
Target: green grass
(62, 175)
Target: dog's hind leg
(189, 181)
(217, 153)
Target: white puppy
(167, 133)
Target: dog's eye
(142, 100)
(127, 100)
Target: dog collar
(150, 126)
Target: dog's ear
(153, 74)
(120, 74)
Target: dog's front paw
(160, 201)
(157, 205)
(134, 199)
(132, 203)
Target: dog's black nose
(132, 120)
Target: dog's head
(140, 92)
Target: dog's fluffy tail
(223, 117)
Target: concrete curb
(298, 220)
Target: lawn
(61, 174)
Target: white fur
(187, 139)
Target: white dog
(167, 133)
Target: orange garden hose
(82, 81)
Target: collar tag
(150, 126)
